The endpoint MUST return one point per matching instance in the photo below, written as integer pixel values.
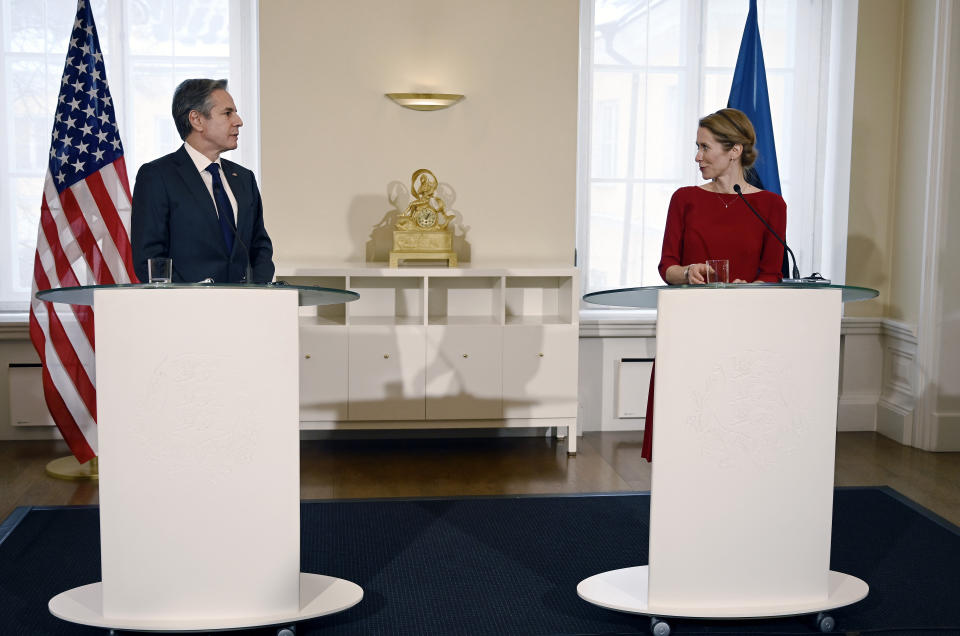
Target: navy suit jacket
(174, 215)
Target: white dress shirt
(202, 162)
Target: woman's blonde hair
(730, 126)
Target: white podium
(741, 489)
(198, 434)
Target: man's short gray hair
(193, 94)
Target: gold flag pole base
(70, 469)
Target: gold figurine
(421, 231)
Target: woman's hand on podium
(696, 273)
(692, 274)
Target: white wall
(903, 206)
(332, 143)
(913, 165)
(873, 155)
(948, 387)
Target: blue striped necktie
(224, 209)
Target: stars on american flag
(85, 122)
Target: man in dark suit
(202, 211)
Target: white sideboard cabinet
(437, 347)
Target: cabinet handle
(540, 355)
(466, 355)
(307, 356)
(386, 355)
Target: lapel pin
(234, 173)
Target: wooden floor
(606, 462)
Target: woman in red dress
(710, 221)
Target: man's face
(218, 132)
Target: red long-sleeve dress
(703, 225)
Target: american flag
(84, 234)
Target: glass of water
(718, 272)
(160, 269)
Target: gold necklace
(725, 203)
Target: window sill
(14, 318)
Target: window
(149, 46)
(651, 69)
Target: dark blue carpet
(510, 565)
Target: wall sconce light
(425, 101)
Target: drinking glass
(160, 269)
(718, 272)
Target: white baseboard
(895, 422)
(857, 413)
(948, 431)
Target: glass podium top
(646, 297)
(307, 295)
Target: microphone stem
(796, 270)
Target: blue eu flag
(749, 94)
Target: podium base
(626, 591)
(319, 595)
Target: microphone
(796, 272)
(236, 235)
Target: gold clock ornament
(421, 230)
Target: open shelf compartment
(538, 300)
(394, 300)
(465, 300)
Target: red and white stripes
(83, 239)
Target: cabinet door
(540, 371)
(463, 372)
(323, 381)
(387, 372)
